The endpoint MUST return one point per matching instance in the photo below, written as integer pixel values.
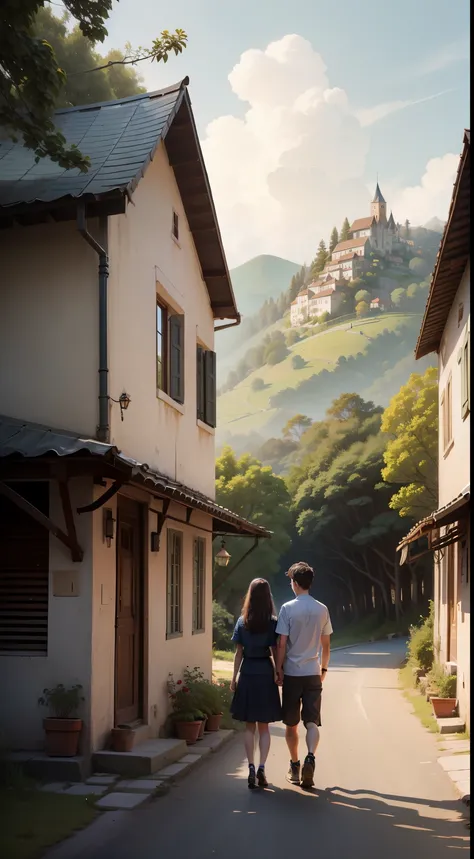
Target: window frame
(447, 415)
(199, 585)
(175, 226)
(464, 361)
(174, 585)
(165, 345)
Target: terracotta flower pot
(214, 722)
(444, 708)
(202, 729)
(122, 739)
(188, 731)
(62, 737)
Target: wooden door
(452, 604)
(128, 640)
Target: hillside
(373, 357)
(260, 278)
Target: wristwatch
(324, 671)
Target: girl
(256, 698)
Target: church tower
(379, 207)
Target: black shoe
(252, 782)
(294, 772)
(261, 777)
(307, 776)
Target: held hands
(233, 684)
(278, 678)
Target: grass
(223, 655)
(244, 410)
(421, 707)
(33, 821)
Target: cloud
(432, 196)
(448, 55)
(370, 115)
(294, 165)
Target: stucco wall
(454, 475)
(68, 661)
(144, 260)
(49, 326)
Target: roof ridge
(83, 108)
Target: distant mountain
(260, 278)
(435, 224)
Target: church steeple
(378, 208)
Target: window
(174, 624)
(24, 573)
(447, 414)
(463, 360)
(169, 352)
(206, 385)
(199, 580)
(175, 227)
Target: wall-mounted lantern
(109, 527)
(124, 401)
(222, 558)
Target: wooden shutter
(200, 384)
(210, 388)
(465, 376)
(24, 573)
(176, 328)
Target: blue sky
(378, 53)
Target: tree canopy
(253, 491)
(411, 455)
(345, 231)
(32, 80)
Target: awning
(22, 440)
(427, 531)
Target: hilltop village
(374, 245)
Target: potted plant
(444, 703)
(207, 695)
(63, 728)
(186, 715)
(122, 738)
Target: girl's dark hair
(258, 609)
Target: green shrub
(222, 627)
(421, 644)
(444, 684)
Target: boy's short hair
(302, 574)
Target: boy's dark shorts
(302, 699)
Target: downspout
(103, 425)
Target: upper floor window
(169, 352)
(447, 414)
(175, 226)
(206, 385)
(199, 585)
(463, 360)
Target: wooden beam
(39, 517)
(76, 552)
(109, 493)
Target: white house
(446, 330)
(111, 284)
(324, 301)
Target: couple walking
(284, 652)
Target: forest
(350, 487)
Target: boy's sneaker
(294, 772)
(307, 775)
(261, 777)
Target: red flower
(185, 689)
(179, 682)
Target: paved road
(380, 793)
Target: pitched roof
(362, 224)
(324, 293)
(391, 221)
(28, 440)
(350, 243)
(121, 137)
(378, 196)
(451, 261)
(343, 258)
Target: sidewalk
(455, 760)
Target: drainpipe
(229, 324)
(103, 425)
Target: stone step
(451, 726)
(143, 760)
(40, 766)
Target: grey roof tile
(119, 137)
